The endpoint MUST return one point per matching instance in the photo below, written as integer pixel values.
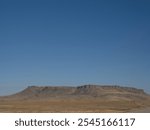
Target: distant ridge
(93, 91)
(85, 98)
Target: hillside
(86, 98)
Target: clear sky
(74, 42)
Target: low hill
(86, 98)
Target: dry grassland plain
(83, 99)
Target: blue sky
(74, 42)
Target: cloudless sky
(74, 42)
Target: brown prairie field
(68, 106)
(83, 99)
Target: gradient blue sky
(74, 42)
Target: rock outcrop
(93, 91)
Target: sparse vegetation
(87, 98)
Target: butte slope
(86, 98)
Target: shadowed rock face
(92, 91)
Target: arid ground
(87, 98)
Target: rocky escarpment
(86, 98)
(104, 92)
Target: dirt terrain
(86, 98)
